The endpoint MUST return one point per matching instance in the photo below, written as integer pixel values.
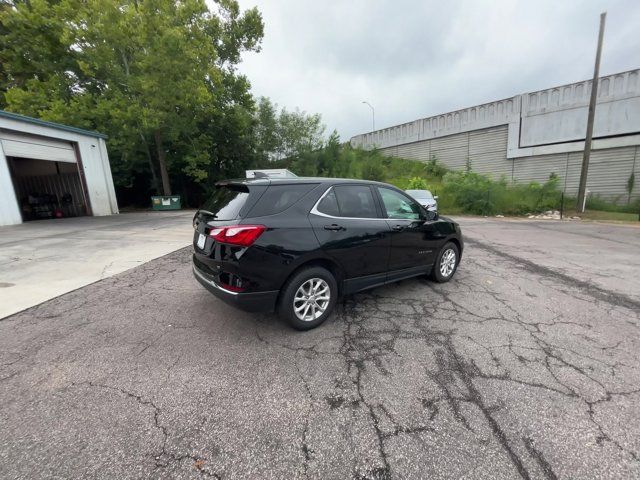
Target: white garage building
(49, 170)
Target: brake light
(242, 235)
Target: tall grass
(458, 191)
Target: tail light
(241, 235)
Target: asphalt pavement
(525, 365)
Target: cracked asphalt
(525, 365)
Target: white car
(424, 198)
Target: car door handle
(335, 227)
(397, 228)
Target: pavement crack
(539, 458)
(613, 298)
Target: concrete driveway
(43, 259)
(517, 368)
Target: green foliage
(434, 169)
(595, 202)
(417, 183)
(157, 76)
(470, 192)
(285, 134)
(373, 171)
(631, 182)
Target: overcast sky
(413, 59)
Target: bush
(373, 171)
(470, 192)
(459, 191)
(434, 169)
(417, 183)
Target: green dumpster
(168, 202)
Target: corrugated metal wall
(488, 152)
(486, 149)
(58, 185)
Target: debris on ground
(548, 215)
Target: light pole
(373, 116)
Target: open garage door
(37, 148)
(45, 176)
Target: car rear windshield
(227, 201)
(278, 198)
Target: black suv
(295, 245)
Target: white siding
(93, 155)
(9, 210)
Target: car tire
(303, 303)
(443, 269)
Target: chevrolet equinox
(294, 245)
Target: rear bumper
(250, 302)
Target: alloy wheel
(448, 262)
(311, 299)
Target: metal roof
(44, 123)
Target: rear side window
(278, 198)
(329, 204)
(355, 201)
(227, 201)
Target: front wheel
(446, 263)
(308, 298)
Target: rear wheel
(308, 298)
(446, 263)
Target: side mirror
(431, 216)
(436, 197)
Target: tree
(281, 134)
(158, 76)
(298, 133)
(266, 130)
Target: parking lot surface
(43, 259)
(520, 367)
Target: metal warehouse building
(529, 136)
(48, 170)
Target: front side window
(355, 201)
(398, 205)
(351, 201)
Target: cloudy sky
(413, 59)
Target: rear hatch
(229, 203)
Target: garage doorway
(45, 176)
(47, 189)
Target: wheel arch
(457, 243)
(324, 262)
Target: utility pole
(592, 112)
(373, 116)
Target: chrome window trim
(317, 212)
